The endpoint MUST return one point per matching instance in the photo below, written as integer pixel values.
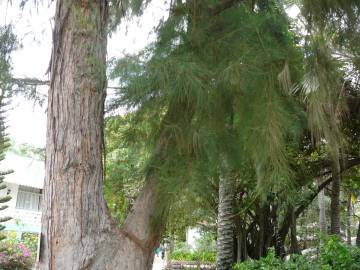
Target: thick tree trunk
(77, 232)
(335, 201)
(225, 226)
(322, 211)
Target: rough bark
(225, 228)
(77, 232)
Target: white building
(25, 186)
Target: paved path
(158, 264)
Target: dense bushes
(334, 255)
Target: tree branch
(344, 164)
(29, 81)
(38, 82)
(349, 164)
(302, 207)
(286, 225)
(220, 7)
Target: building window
(29, 198)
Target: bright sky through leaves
(33, 27)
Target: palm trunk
(225, 227)
(77, 232)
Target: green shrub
(334, 255)
(205, 256)
(338, 256)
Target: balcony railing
(23, 220)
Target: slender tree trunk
(244, 251)
(225, 226)
(239, 248)
(269, 230)
(238, 235)
(241, 251)
(322, 211)
(279, 238)
(335, 200)
(348, 220)
(358, 236)
(241, 254)
(77, 232)
(294, 243)
(261, 234)
(171, 245)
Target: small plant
(15, 257)
(30, 240)
(18, 254)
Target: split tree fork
(77, 232)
